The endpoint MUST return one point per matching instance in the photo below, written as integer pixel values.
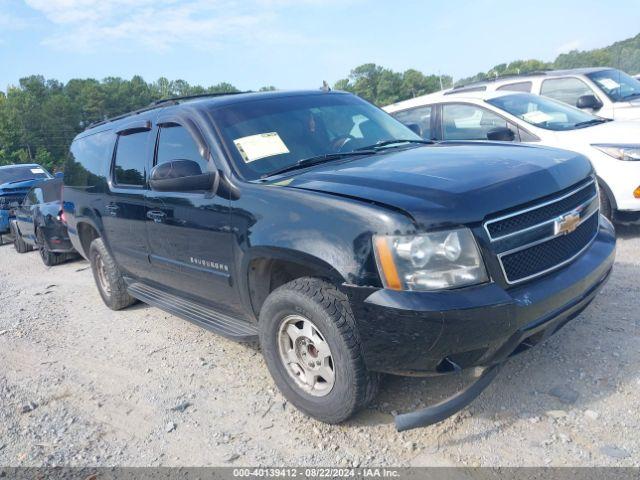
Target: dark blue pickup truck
(15, 182)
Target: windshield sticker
(255, 147)
(37, 170)
(608, 83)
(536, 117)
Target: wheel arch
(266, 269)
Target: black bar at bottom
(438, 412)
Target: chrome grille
(539, 239)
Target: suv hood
(618, 131)
(449, 183)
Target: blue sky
(293, 43)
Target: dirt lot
(81, 385)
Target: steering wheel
(339, 143)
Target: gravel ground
(81, 385)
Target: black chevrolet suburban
(348, 246)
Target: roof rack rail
(161, 103)
(173, 100)
(534, 73)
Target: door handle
(112, 208)
(156, 215)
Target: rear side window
(517, 87)
(566, 90)
(420, 116)
(52, 190)
(176, 143)
(130, 161)
(34, 197)
(89, 159)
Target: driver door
(189, 233)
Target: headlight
(429, 261)
(621, 152)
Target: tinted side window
(131, 154)
(89, 159)
(176, 143)
(517, 87)
(468, 122)
(52, 191)
(32, 197)
(420, 116)
(566, 90)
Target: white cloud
(567, 47)
(89, 25)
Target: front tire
(311, 346)
(108, 277)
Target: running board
(202, 316)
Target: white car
(606, 92)
(612, 146)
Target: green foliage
(39, 117)
(624, 55)
(383, 86)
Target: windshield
(269, 134)
(544, 112)
(15, 174)
(617, 85)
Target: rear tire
(18, 242)
(49, 258)
(324, 334)
(108, 277)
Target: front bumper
(430, 333)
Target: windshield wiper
(594, 121)
(308, 162)
(384, 143)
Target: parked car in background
(606, 92)
(318, 224)
(15, 182)
(39, 224)
(612, 147)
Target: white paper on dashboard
(262, 145)
(537, 117)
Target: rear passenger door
(190, 236)
(124, 211)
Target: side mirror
(589, 101)
(181, 176)
(501, 134)
(415, 128)
(58, 175)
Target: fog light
(636, 192)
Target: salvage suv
(349, 246)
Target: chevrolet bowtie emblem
(566, 223)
